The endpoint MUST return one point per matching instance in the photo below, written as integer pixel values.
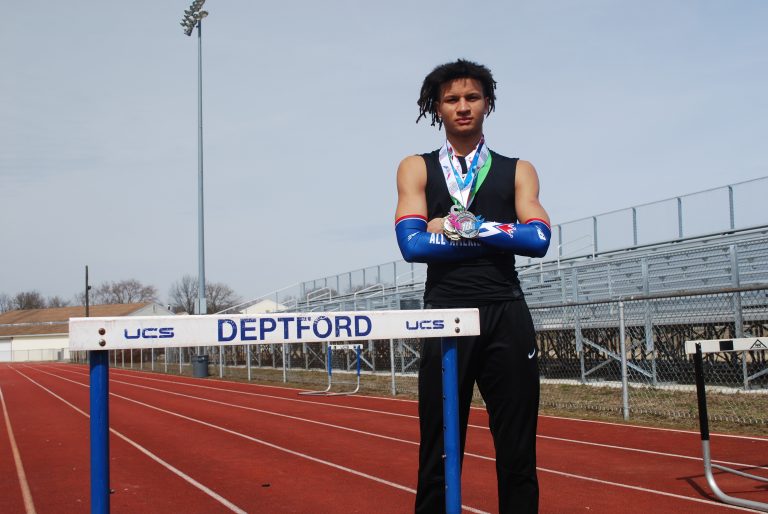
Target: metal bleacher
(729, 256)
(660, 293)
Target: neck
(463, 145)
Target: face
(462, 107)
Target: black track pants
(503, 361)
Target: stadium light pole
(194, 17)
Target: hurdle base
(731, 500)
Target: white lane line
(468, 454)
(643, 489)
(482, 409)
(260, 441)
(481, 427)
(381, 436)
(643, 427)
(228, 504)
(649, 452)
(29, 505)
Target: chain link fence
(632, 352)
(622, 357)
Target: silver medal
(469, 225)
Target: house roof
(56, 320)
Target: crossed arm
(422, 241)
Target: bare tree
(28, 300)
(56, 301)
(218, 296)
(6, 304)
(124, 291)
(183, 294)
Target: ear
(487, 106)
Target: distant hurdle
(329, 367)
(99, 335)
(697, 349)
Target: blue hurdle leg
(99, 367)
(451, 427)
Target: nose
(463, 105)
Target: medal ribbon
(458, 188)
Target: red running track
(202, 445)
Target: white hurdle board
(743, 344)
(357, 346)
(135, 332)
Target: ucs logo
(425, 324)
(149, 333)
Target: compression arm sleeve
(418, 245)
(530, 239)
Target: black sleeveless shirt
(487, 279)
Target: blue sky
(309, 107)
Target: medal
(469, 223)
(460, 223)
(451, 225)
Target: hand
(435, 226)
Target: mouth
(464, 121)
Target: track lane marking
(643, 489)
(231, 506)
(258, 441)
(29, 504)
(481, 427)
(479, 409)
(468, 454)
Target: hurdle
(99, 335)
(329, 368)
(697, 349)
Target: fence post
(285, 369)
(649, 344)
(577, 326)
(623, 349)
(680, 217)
(392, 365)
(248, 360)
(738, 320)
(372, 352)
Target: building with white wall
(43, 334)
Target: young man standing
(466, 211)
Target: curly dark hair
(462, 68)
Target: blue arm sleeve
(530, 239)
(418, 245)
